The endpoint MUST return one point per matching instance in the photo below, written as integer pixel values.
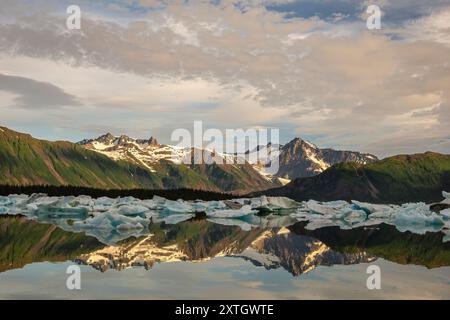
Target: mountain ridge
(396, 179)
(297, 158)
(25, 160)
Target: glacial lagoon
(260, 248)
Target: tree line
(172, 194)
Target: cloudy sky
(308, 67)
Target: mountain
(397, 179)
(25, 160)
(169, 162)
(300, 158)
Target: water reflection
(276, 243)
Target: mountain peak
(296, 142)
(152, 141)
(106, 137)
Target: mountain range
(122, 162)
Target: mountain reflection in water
(291, 247)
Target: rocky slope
(300, 158)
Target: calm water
(199, 259)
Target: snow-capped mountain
(176, 167)
(149, 152)
(298, 158)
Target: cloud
(35, 94)
(323, 75)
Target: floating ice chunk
(270, 204)
(126, 200)
(329, 208)
(355, 216)
(211, 205)
(232, 204)
(445, 212)
(132, 210)
(85, 201)
(178, 206)
(159, 201)
(371, 208)
(5, 201)
(446, 238)
(103, 204)
(282, 203)
(417, 218)
(446, 195)
(149, 204)
(200, 206)
(244, 211)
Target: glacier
(114, 219)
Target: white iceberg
(178, 206)
(230, 213)
(446, 195)
(445, 213)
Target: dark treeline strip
(172, 194)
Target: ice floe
(115, 219)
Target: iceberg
(445, 213)
(132, 210)
(446, 196)
(230, 213)
(178, 206)
(110, 218)
(327, 209)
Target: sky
(310, 68)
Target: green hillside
(25, 160)
(28, 161)
(402, 178)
